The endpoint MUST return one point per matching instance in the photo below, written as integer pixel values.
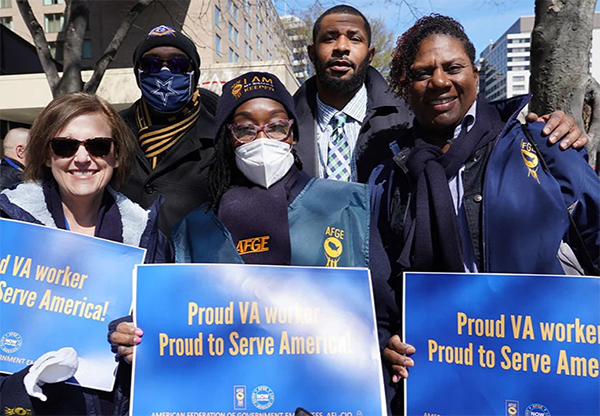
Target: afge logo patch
(531, 159)
(512, 408)
(333, 246)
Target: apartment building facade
(505, 64)
(232, 37)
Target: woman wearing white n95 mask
(264, 209)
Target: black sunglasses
(95, 146)
(153, 64)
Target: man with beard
(345, 87)
(347, 117)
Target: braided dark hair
(408, 44)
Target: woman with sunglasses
(79, 150)
(265, 210)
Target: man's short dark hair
(342, 9)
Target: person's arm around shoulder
(560, 126)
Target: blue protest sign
(61, 289)
(491, 344)
(243, 339)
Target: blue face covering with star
(166, 92)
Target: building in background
(232, 37)
(299, 38)
(504, 64)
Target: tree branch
(111, 50)
(41, 44)
(592, 98)
(76, 20)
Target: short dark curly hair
(342, 9)
(408, 44)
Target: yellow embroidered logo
(253, 245)
(333, 246)
(236, 89)
(256, 83)
(530, 158)
(17, 411)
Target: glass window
(230, 55)
(51, 2)
(5, 4)
(52, 47)
(236, 58)
(235, 9)
(6, 21)
(86, 49)
(217, 17)
(53, 22)
(235, 37)
(218, 44)
(230, 31)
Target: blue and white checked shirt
(356, 111)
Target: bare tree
(560, 64)
(75, 23)
(384, 41)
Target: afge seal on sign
(239, 397)
(512, 408)
(537, 409)
(10, 342)
(263, 397)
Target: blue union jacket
(518, 193)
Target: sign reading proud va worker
(503, 344)
(61, 289)
(242, 340)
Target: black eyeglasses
(275, 130)
(153, 64)
(67, 147)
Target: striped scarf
(157, 137)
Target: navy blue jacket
(517, 191)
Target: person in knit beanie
(174, 129)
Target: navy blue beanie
(253, 85)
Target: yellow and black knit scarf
(156, 137)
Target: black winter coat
(180, 176)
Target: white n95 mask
(264, 161)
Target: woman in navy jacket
(470, 188)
